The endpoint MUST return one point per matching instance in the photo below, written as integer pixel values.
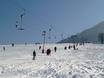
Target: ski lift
(20, 27)
(49, 34)
(16, 24)
(50, 29)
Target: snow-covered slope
(86, 62)
(88, 35)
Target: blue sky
(65, 17)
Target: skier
(39, 47)
(42, 50)
(48, 52)
(34, 55)
(69, 47)
(3, 48)
(74, 47)
(12, 44)
(55, 48)
(65, 48)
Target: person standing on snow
(34, 55)
(55, 48)
(3, 48)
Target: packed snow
(86, 62)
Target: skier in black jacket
(34, 55)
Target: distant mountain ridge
(88, 35)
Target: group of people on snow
(48, 51)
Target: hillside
(88, 35)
